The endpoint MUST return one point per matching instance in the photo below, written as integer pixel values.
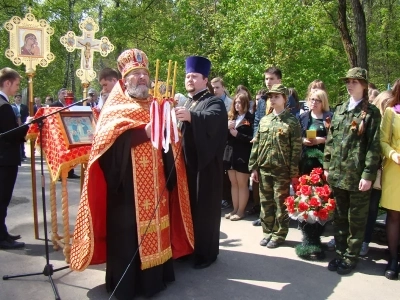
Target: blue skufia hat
(198, 64)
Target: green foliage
(240, 37)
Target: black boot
(392, 269)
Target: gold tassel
(152, 262)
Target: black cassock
(204, 142)
(122, 239)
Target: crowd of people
(142, 207)
(348, 141)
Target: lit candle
(174, 80)
(169, 74)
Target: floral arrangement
(311, 203)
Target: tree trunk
(361, 34)
(345, 35)
(69, 59)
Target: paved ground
(244, 270)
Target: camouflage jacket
(348, 157)
(277, 145)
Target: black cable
(154, 213)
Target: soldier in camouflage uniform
(275, 155)
(351, 160)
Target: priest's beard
(140, 91)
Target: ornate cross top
(88, 45)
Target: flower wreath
(312, 202)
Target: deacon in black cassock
(204, 120)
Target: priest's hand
(183, 114)
(148, 130)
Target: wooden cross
(88, 45)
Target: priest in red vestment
(127, 204)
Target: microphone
(70, 103)
(82, 100)
(40, 119)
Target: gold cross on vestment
(146, 205)
(88, 45)
(144, 162)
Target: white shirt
(353, 103)
(239, 119)
(275, 114)
(5, 96)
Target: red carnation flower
(314, 202)
(323, 214)
(327, 189)
(303, 206)
(306, 190)
(331, 204)
(320, 191)
(289, 201)
(314, 178)
(318, 171)
(303, 179)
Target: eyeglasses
(315, 100)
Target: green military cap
(356, 73)
(278, 89)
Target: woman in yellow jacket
(390, 143)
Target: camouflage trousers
(349, 222)
(273, 215)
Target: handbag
(378, 181)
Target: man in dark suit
(24, 113)
(62, 93)
(10, 157)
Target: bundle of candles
(162, 113)
(69, 99)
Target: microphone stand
(48, 268)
